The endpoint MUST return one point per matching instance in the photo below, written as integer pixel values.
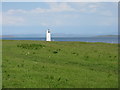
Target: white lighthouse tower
(48, 35)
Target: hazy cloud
(10, 20)
(12, 11)
(54, 7)
(60, 0)
(0, 23)
(54, 15)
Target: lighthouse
(48, 35)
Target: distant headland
(108, 36)
(56, 35)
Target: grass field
(40, 64)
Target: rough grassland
(40, 64)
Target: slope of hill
(40, 64)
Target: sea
(80, 39)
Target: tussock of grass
(31, 46)
(40, 64)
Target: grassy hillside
(40, 64)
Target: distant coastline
(80, 39)
(53, 35)
(108, 36)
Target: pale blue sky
(69, 18)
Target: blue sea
(81, 39)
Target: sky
(81, 18)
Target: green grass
(0, 64)
(40, 64)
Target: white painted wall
(48, 35)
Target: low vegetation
(40, 64)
